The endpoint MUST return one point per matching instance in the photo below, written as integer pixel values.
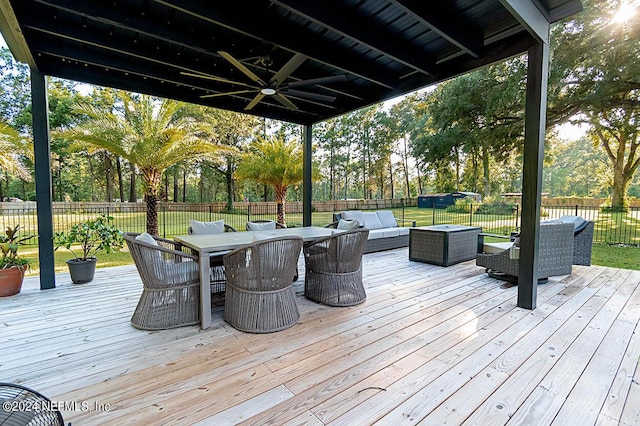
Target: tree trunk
(152, 213)
(281, 193)
(109, 175)
(184, 184)
(176, 187)
(228, 175)
(120, 182)
(485, 169)
(132, 186)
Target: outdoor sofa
(384, 232)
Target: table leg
(205, 291)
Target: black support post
(42, 165)
(307, 195)
(535, 118)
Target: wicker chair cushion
(261, 226)
(494, 248)
(147, 238)
(579, 223)
(347, 225)
(198, 227)
(353, 214)
(371, 220)
(387, 219)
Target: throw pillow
(347, 225)
(353, 214)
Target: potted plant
(92, 236)
(12, 266)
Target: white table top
(232, 240)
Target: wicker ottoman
(443, 245)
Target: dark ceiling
(374, 49)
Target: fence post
(470, 214)
(517, 215)
(210, 213)
(249, 212)
(433, 214)
(402, 204)
(576, 210)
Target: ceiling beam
(230, 15)
(445, 23)
(13, 35)
(530, 16)
(340, 20)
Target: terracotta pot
(11, 280)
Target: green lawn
(175, 223)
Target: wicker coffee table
(443, 245)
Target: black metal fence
(610, 227)
(173, 218)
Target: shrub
(496, 205)
(462, 205)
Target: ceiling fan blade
(314, 81)
(287, 69)
(241, 67)
(214, 78)
(285, 101)
(309, 95)
(255, 101)
(215, 95)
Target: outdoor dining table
(206, 244)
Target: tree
(148, 134)
(595, 80)
(274, 162)
(12, 149)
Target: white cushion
(371, 220)
(261, 226)
(147, 238)
(387, 219)
(198, 227)
(374, 234)
(403, 231)
(495, 248)
(578, 222)
(353, 214)
(347, 225)
(390, 232)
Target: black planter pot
(82, 271)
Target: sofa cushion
(353, 214)
(390, 232)
(403, 231)
(198, 227)
(387, 219)
(371, 220)
(374, 234)
(347, 225)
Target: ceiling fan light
(268, 91)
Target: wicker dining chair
(333, 268)
(259, 296)
(218, 280)
(170, 275)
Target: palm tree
(12, 147)
(276, 163)
(148, 133)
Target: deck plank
(429, 345)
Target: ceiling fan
(274, 86)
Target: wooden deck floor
(430, 346)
